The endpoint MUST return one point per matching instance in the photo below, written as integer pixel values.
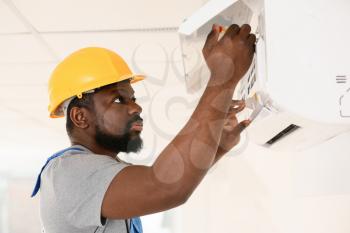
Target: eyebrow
(123, 92)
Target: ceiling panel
(128, 44)
(23, 49)
(77, 15)
(25, 74)
(9, 23)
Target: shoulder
(80, 163)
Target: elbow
(174, 190)
(184, 199)
(179, 197)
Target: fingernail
(221, 29)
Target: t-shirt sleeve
(79, 183)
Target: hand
(232, 129)
(232, 55)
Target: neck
(92, 146)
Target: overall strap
(135, 225)
(38, 180)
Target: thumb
(241, 126)
(212, 40)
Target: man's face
(118, 123)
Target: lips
(137, 126)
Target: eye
(119, 100)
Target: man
(86, 188)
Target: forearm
(185, 161)
(219, 154)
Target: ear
(80, 117)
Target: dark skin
(211, 131)
(113, 104)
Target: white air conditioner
(298, 87)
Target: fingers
(211, 40)
(232, 31)
(236, 48)
(236, 106)
(244, 32)
(251, 38)
(241, 126)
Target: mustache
(135, 118)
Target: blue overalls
(135, 223)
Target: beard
(129, 141)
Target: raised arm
(140, 190)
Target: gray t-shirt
(72, 190)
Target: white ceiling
(82, 15)
(12, 24)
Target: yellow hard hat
(85, 70)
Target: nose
(134, 108)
